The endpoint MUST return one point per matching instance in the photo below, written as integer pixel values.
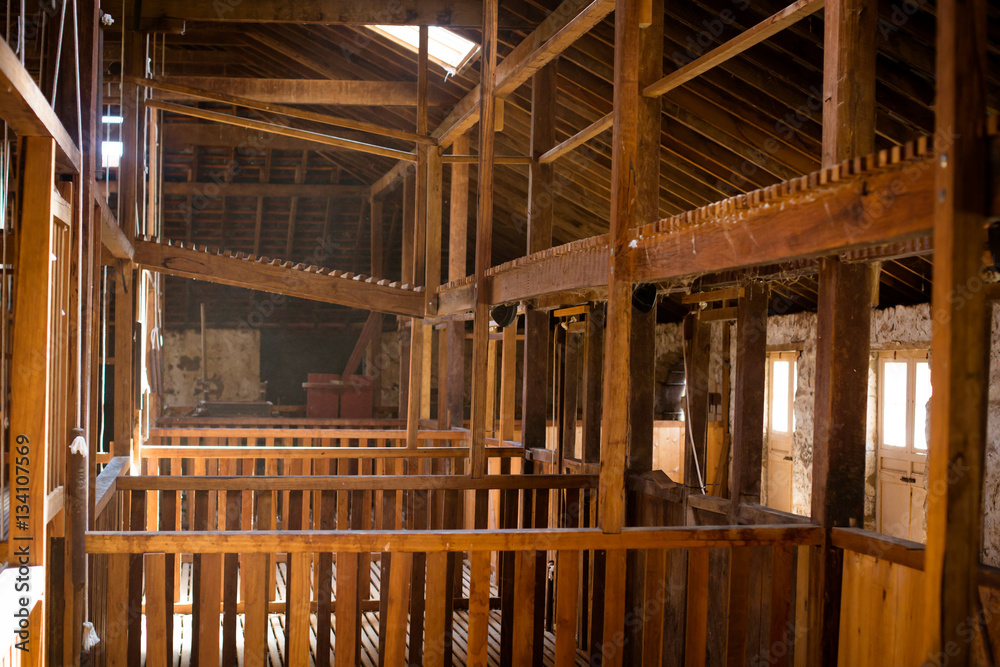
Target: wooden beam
(454, 13)
(735, 46)
(250, 189)
(273, 94)
(284, 130)
(180, 134)
(497, 159)
(28, 113)
(484, 237)
(170, 91)
(112, 236)
(548, 274)
(278, 278)
(960, 344)
(393, 176)
(816, 219)
(599, 126)
(373, 327)
(566, 24)
(555, 34)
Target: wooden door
(781, 384)
(903, 393)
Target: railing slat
(206, 590)
(325, 518)
(779, 641)
(158, 644)
(137, 520)
(397, 608)
(347, 650)
(739, 594)
(230, 577)
(655, 605)
(436, 618)
(116, 626)
(567, 601)
(479, 608)
(297, 604)
(696, 642)
(258, 569)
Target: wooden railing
(420, 567)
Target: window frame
(912, 357)
(451, 70)
(791, 356)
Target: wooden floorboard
(183, 628)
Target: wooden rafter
(315, 137)
(287, 278)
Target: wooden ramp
(183, 629)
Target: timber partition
(319, 531)
(420, 558)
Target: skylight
(111, 154)
(447, 49)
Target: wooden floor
(369, 629)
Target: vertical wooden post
(124, 342)
(484, 240)
(541, 201)
(748, 418)
(593, 372)
(418, 265)
(458, 230)
(617, 353)
(31, 365)
(376, 208)
(130, 195)
(846, 293)
(960, 342)
(697, 345)
(615, 434)
(76, 528)
(647, 210)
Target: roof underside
(714, 129)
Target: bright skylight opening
(111, 154)
(447, 49)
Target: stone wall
(233, 365)
(899, 328)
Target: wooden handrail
(751, 514)
(241, 452)
(107, 483)
(354, 482)
(269, 541)
(658, 485)
(317, 433)
(897, 550)
(278, 422)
